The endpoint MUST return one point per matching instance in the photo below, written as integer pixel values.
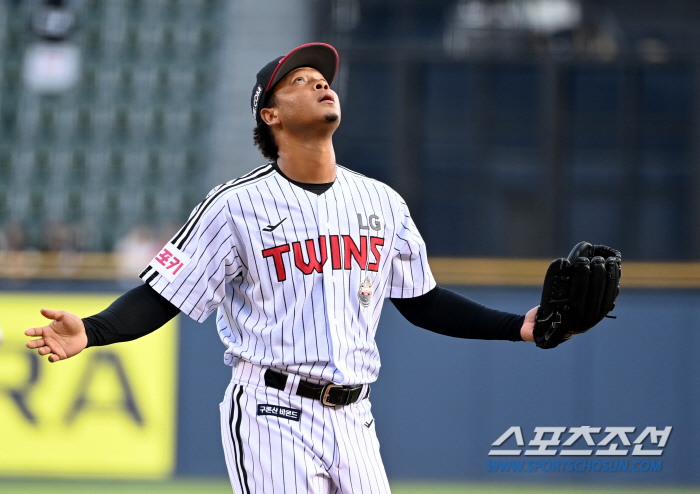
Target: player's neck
(309, 162)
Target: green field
(223, 487)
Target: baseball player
(296, 259)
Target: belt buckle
(324, 395)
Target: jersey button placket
(326, 228)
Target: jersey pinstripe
(298, 280)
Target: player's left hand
(526, 331)
(578, 292)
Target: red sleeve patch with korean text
(170, 262)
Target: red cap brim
(320, 56)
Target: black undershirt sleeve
(142, 310)
(445, 312)
(138, 312)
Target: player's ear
(269, 116)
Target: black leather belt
(330, 395)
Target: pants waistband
(254, 375)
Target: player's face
(303, 97)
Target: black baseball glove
(578, 293)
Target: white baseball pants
(276, 442)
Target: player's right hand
(63, 338)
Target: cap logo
(256, 100)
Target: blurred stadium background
(513, 128)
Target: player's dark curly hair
(263, 137)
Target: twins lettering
(367, 250)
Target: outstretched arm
(138, 312)
(446, 312)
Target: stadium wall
(440, 404)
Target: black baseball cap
(320, 56)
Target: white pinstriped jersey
(298, 279)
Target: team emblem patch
(365, 293)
